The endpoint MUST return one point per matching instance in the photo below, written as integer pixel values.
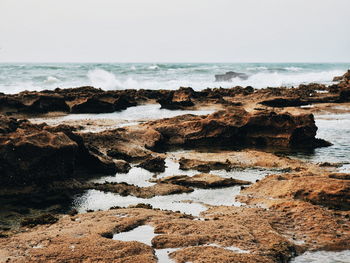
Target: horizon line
(174, 62)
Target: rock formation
(38, 153)
(228, 76)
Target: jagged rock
(178, 99)
(40, 154)
(201, 181)
(122, 166)
(228, 76)
(344, 77)
(37, 156)
(238, 127)
(8, 125)
(102, 103)
(92, 105)
(154, 164)
(44, 103)
(129, 144)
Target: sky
(174, 31)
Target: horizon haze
(174, 31)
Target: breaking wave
(19, 77)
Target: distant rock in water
(228, 76)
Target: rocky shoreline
(303, 206)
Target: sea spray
(19, 77)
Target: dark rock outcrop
(103, 103)
(201, 181)
(178, 99)
(343, 78)
(122, 166)
(41, 154)
(284, 102)
(46, 219)
(154, 164)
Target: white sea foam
(153, 67)
(107, 80)
(293, 68)
(276, 79)
(103, 79)
(51, 79)
(15, 78)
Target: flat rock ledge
(201, 181)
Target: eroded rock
(178, 99)
(154, 164)
(125, 189)
(238, 127)
(201, 181)
(40, 154)
(329, 190)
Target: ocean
(16, 77)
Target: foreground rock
(271, 236)
(328, 190)
(313, 208)
(40, 154)
(201, 181)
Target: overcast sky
(175, 31)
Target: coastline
(293, 206)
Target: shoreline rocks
(36, 153)
(282, 215)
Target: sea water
(16, 77)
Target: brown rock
(204, 165)
(325, 190)
(130, 144)
(44, 103)
(178, 99)
(92, 105)
(125, 189)
(345, 77)
(122, 166)
(238, 127)
(40, 154)
(154, 164)
(202, 181)
(227, 160)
